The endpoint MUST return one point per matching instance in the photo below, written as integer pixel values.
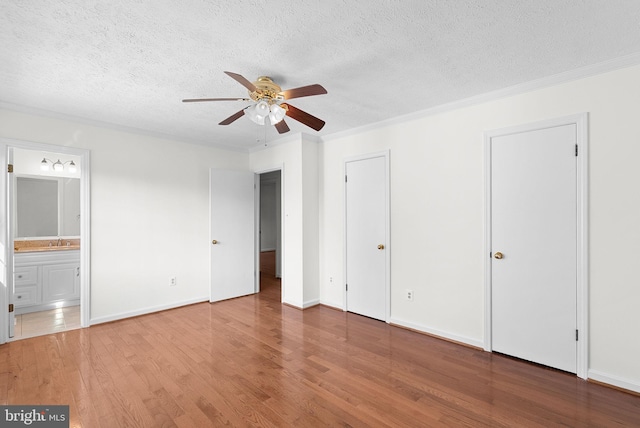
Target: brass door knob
(380, 247)
(498, 255)
(214, 242)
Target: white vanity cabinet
(46, 280)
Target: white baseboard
(310, 303)
(435, 332)
(145, 311)
(613, 380)
(303, 305)
(292, 303)
(333, 305)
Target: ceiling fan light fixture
(251, 113)
(262, 108)
(268, 97)
(276, 114)
(258, 112)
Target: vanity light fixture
(57, 166)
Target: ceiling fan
(269, 102)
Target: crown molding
(545, 82)
(521, 88)
(114, 127)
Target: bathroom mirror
(47, 206)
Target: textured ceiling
(130, 62)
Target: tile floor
(46, 322)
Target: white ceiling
(129, 63)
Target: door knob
(380, 247)
(498, 255)
(214, 242)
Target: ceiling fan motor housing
(266, 90)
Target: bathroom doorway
(47, 262)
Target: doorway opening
(47, 240)
(270, 232)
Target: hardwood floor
(253, 362)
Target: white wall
(311, 225)
(298, 158)
(150, 214)
(437, 213)
(287, 157)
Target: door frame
(282, 227)
(85, 228)
(582, 193)
(387, 228)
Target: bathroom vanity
(46, 275)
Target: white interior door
(233, 234)
(10, 280)
(7, 321)
(366, 237)
(534, 245)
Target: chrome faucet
(59, 242)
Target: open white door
(7, 241)
(233, 234)
(6, 322)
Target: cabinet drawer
(25, 275)
(26, 296)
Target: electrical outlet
(173, 281)
(409, 294)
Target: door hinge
(10, 307)
(346, 287)
(576, 335)
(576, 150)
(9, 168)
(345, 178)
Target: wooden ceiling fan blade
(303, 91)
(233, 117)
(242, 80)
(304, 117)
(197, 100)
(282, 127)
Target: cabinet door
(60, 282)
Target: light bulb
(44, 165)
(256, 118)
(262, 108)
(72, 167)
(58, 166)
(277, 114)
